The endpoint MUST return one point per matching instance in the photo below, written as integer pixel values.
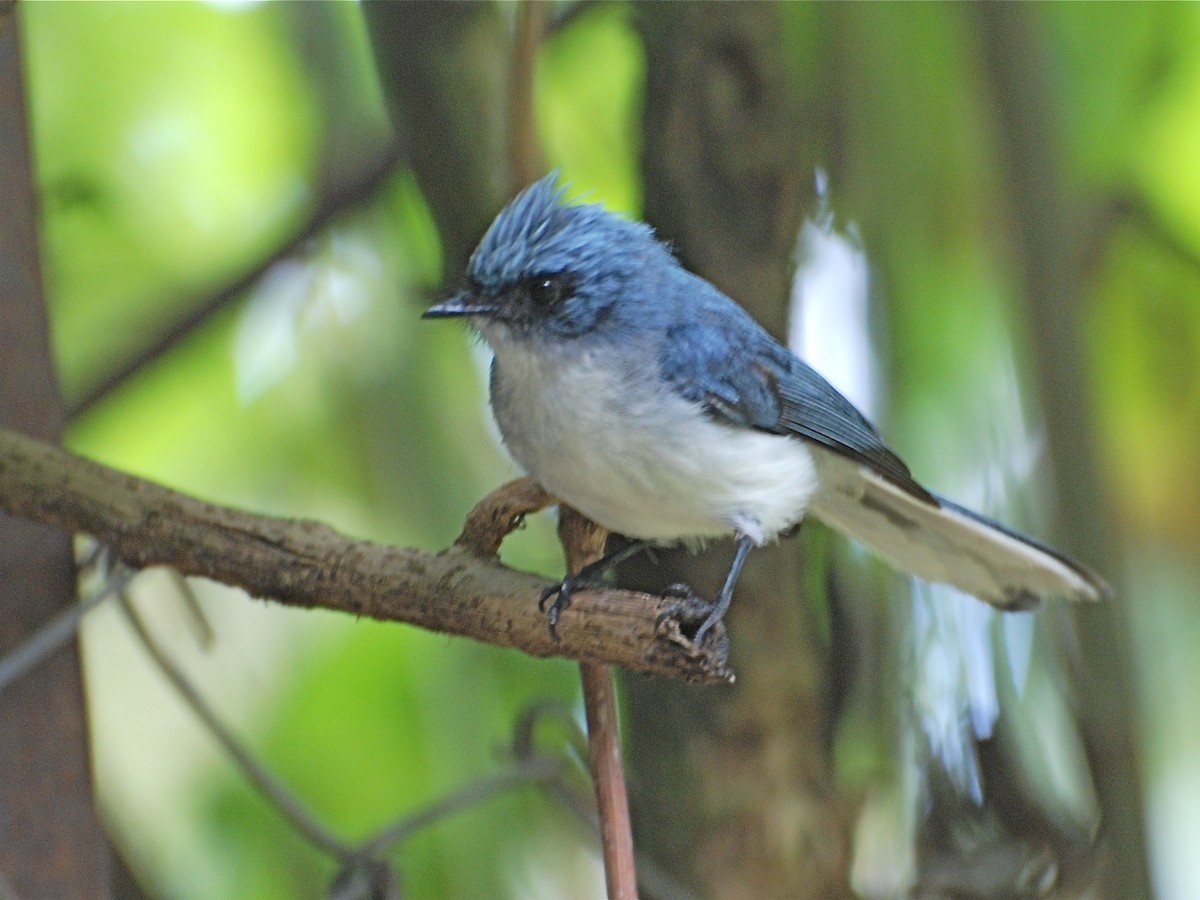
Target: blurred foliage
(587, 114)
(178, 143)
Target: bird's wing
(741, 375)
(724, 361)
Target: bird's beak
(464, 303)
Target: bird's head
(550, 270)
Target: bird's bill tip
(461, 304)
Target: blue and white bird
(642, 396)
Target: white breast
(622, 449)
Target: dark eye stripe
(547, 291)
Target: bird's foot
(695, 615)
(589, 576)
(561, 592)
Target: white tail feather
(942, 542)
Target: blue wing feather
(742, 375)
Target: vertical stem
(524, 151)
(583, 541)
(608, 777)
(51, 841)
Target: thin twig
(366, 875)
(604, 745)
(583, 541)
(57, 632)
(528, 771)
(582, 805)
(300, 818)
(524, 152)
(524, 732)
(334, 202)
(651, 877)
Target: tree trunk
(444, 70)
(51, 842)
(1047, 227)
(732, 787)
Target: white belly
(641, 461)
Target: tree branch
(524, 149)
(260, 776)
(583, 541)
(334, 201)
(463, 590)
(443, 68)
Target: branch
(48, 638)
(463, 590)
(334, 201)
(583, 541)
(303, 821)
(443, 68)
(524, 149)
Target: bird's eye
(547, 291)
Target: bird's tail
(940, 541)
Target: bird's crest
(537, 233)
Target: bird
(642, 396)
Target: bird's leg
(691, 607)
(589, 574)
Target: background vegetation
(1024, 182)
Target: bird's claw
(562, 593)
(549, 592)
(695, 615)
